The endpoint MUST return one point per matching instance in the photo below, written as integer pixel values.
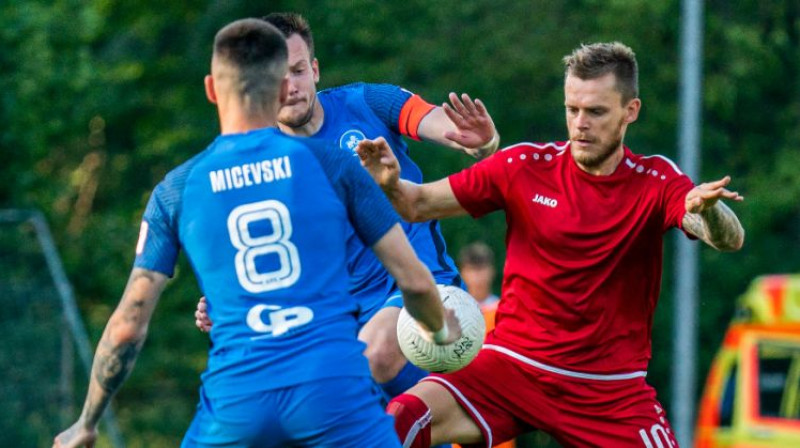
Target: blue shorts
(372, 299)
(386, 294)
(333, 412)
(396, 297)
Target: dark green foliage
(99, 99)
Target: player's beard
(595, 159)
(301, 121)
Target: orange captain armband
(412, 114)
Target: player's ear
(210, 93)
(315, 69)
(632, 110)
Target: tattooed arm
(711, 220)
(116, 353)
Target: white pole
(684, 374)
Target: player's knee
(385, 359)
(383, 352)
(412, 420)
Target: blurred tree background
(100, 98)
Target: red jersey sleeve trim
(412, 114)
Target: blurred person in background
(476, 264)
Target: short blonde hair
(595, 60)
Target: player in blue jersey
(260, 215)
(346, 115)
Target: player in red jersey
(582, 277)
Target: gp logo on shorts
(350, 139)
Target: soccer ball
(444, 358)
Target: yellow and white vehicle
(752, 393)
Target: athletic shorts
(507, 395)
(373, 299)
(334, 413)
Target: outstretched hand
(379, 160)
(704, 196)
(76, 436)
(475, 130)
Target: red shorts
(507, 397)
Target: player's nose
(582, 121)
(291, 86)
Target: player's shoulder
(363, 91)
(317, 145)
(343, 91)
(345, 99)
(325, 152)
(533, 152)
(656, 165)
(537, 147)
(170, 189)
(176, 178)
(288, 144)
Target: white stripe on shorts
(419, 424)
(565, 372)
(454, 390)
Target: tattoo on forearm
(132, 312)
(112, 364)
(718, 226)
(115, 363)
(121, 342)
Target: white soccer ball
(444, 358)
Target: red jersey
(584, 254)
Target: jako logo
(544, 200)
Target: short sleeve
(371, 214)
(480, 189)
(675, 191)
(158, 246)
(399, 109)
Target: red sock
(412, 420)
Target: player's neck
(309, 128)
(238, 121)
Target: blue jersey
(358, 111)
(260, 216)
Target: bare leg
(449, 421)
(383, 351)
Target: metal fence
(42, 332)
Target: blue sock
(408, 376)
